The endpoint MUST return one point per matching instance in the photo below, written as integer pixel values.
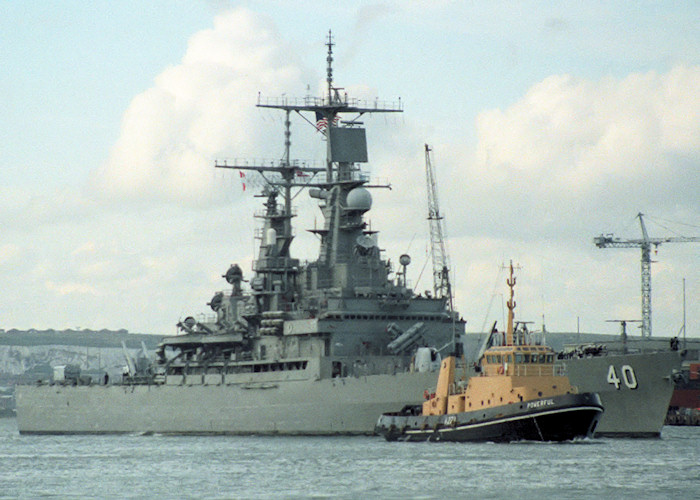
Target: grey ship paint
(318, 348)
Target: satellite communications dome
(359, 199)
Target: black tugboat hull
(559, 418)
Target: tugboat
(519, 394)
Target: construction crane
(441, 275)
(645, 243)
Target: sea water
(154, 466)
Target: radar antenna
(329, 70)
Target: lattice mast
(645, 243)
(438, 251)
(346, 146)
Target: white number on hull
(613, 378)
(628, 377)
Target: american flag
(322, 121)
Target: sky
(550, 123)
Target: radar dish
(365, 241)
(359, 199)
(216, 301)
(234, 274)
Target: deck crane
(645, 243)
(441, 275)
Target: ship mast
(346, 147)
(511, 306)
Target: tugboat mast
(511, 306)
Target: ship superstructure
(344, 306)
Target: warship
(314, 347)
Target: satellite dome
(359, 199)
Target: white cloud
(572, 146)
(84, 249)
(8, 253)
(71, 288)
(198, 110)
(575, 132)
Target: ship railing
(379, 182)
(344, 100)
(272, 263)
(308, 172)
(248, 163)
(262, 214)
(206, 318)
(352, 176)
(534, 370)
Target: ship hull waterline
(320, 407)
(307, 407)
(559, 418)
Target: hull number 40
(628, 377)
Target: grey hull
(635, 410)
(331, 406)
(328, 406)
